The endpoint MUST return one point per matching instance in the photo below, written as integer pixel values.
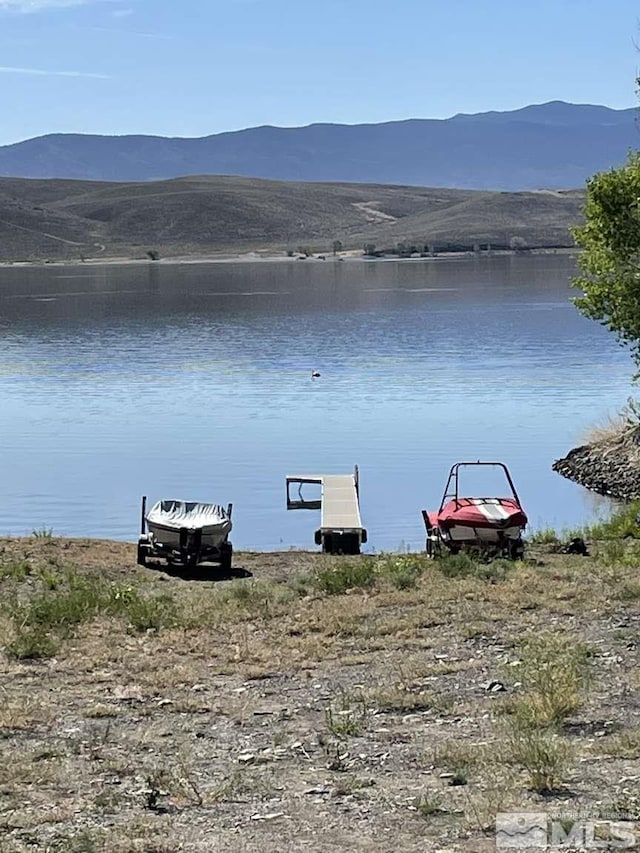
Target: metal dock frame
(341, 530)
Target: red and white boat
(481, 523)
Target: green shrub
(612, 552)
(457, 565)
(355, 574)
(495, 570)
(32, 642)
(621, 524)
(42, 622)
(465, 564)
(544, 536)
(151, 613)
(300, 585)
(16, 570)
(43, 533)
(50, 578)
(458, 759)
(81, 600)
(401, 570)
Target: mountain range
(552, 145)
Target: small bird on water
(315, 374)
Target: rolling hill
(553, 145)
(63, 219)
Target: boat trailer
(491, 526)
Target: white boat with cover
(166, 519)
(188, 532)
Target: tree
(610, 263)
(518, 244)
(337, 246)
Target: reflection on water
(194, 381)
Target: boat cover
(482, 512)
(190, 515)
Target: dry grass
(612, 428)
(553, 672)
(58, 220)
(398, 700)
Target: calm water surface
(194, 381)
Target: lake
(194, 381)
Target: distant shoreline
(263, 257)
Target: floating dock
(341, 530)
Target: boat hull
(461, 533)
(490, 520)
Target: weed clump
(621, 524)
(553, 671)
(429, 804)
(465, 564)
(543, 755)
(458, 760)
(401, 570)
(65, 601)
(32, 643)
(544, 536)
(149, 613)
(347, 716)
(15, 570)
(257, 599)
(43, 533)
(626, 744)
(355, 574)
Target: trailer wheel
(516, 549)
(226, 553)
(433, 547)
(142, 556)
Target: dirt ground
(286, 710)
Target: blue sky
(194, 67)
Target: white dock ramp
(341, 530)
